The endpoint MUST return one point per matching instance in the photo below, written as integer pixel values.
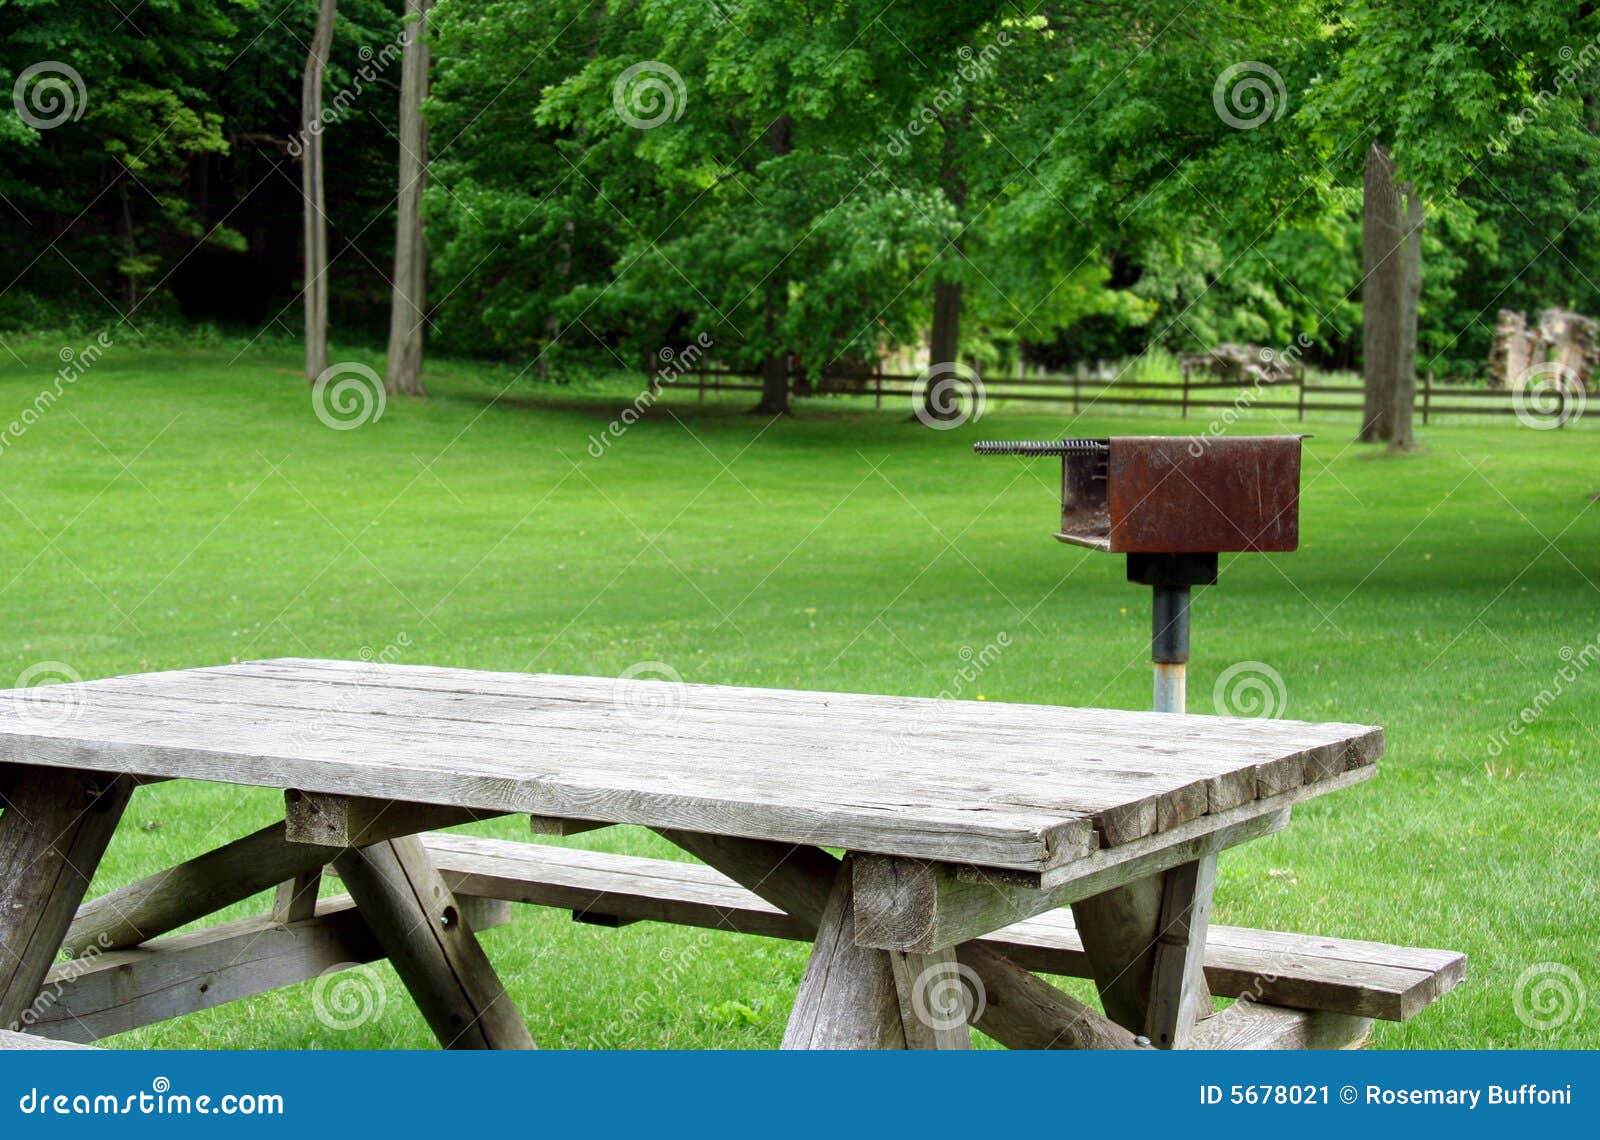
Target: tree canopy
(812, 186)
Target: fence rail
(1186, 394)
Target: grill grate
(1061, 447)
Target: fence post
(1427, 395)
(877, 376)
(1184, 372)
(700, 382)
(1301, 402)
(1077, 381)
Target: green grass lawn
(177, 508)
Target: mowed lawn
(177, 507)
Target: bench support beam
(173, 898)
(105, 994)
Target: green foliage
(607, 180)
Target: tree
(1424, 88)
(312, 188)
(408, 309)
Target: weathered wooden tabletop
(1019, 787)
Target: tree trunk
(775, 368)
(1381, 312)
(944, 338)
(130, 245)
(311, 188)
(1405, 391)
(403, 372)
(1391, 240)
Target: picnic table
(927, 849)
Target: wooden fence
(1187, 394)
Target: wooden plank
(938, 999)
(296, 898)
(55, 827)
(1250, 1025)
(106, 994)
(909, 723)
(1118, 930)
(10, 1040)
(1350, 976)
(360, 821)
(422, 929)
(1189, 836)
(918, 906)
(848, 998)
(165, 901)
(553, 825)
(1178, 996)
(892, 775)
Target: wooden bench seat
(1299, 971)
(10, 1039)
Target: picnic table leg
(54, 829)
(1016, 1008)
(849, 997)
(422, 929)
(1146, 946)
